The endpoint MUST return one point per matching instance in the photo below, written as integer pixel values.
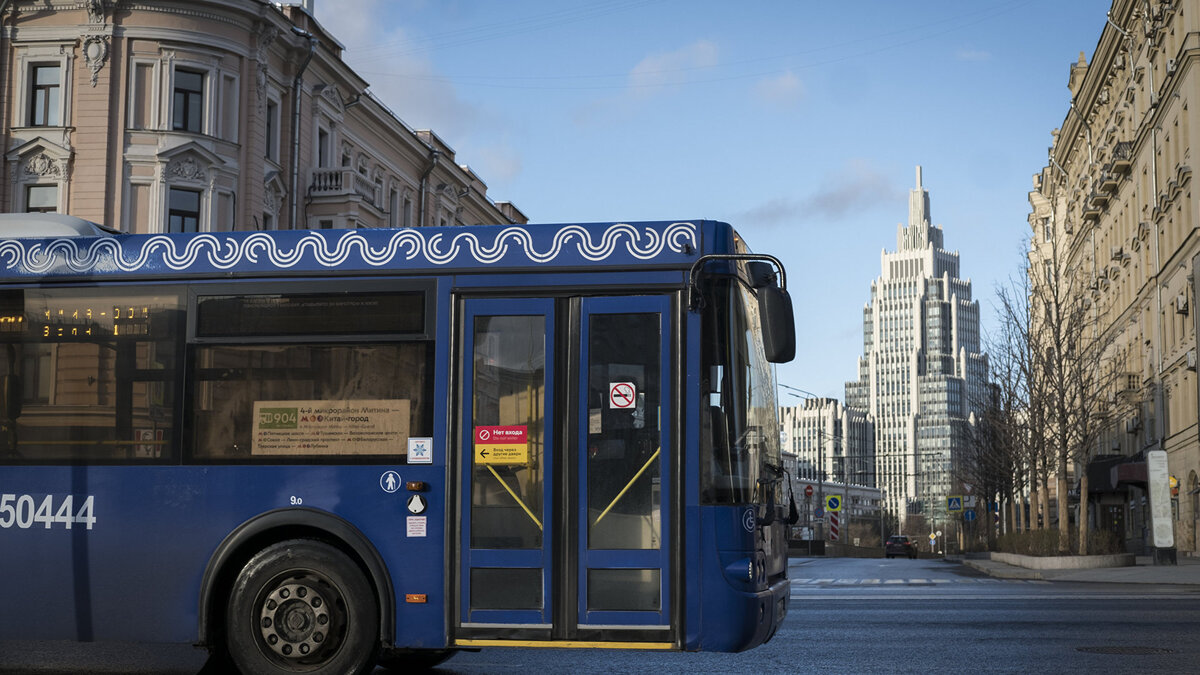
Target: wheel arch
(279, 525)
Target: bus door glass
(623, 447)
(506, 457)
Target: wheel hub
(294, 620)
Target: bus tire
(301, 606)
(415, 661)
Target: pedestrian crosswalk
(824, 583)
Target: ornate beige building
(210, 115)
(1116, 199)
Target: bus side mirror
(10, 396)
(778, 324)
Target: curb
(1003, 571)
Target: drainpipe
(434, 155)
(297, 85)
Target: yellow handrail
(628, 485)
(514, 496)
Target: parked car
(900, 544)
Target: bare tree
(1072, 370)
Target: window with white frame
(41, 199)
(45, 93)
(183, 210)
(187, 103)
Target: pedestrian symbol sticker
(622, 395)
(389, 481)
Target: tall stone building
(1114, 206)
(210, 115)
(922, 372)
(825, 440)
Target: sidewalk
(1187, 572)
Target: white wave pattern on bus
(224, 252)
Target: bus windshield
(740, 437)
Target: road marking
(806, 581)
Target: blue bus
(315, 451)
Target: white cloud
(498, 162)
(408, 83)
(668, 69)
(655, 75)
(783, 90)
(857, 187)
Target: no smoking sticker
(622, 395)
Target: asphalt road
(847, 616)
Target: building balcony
(1122, 158)
(342, 182)
(1108, 183)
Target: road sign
(833, 503)
(819, 512)
(954, 503)
(808, 490)
(969, 515)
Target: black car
(900, 544)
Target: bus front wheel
(301, 606)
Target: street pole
(821, 480)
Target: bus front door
(566, 410)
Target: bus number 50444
(25, 511)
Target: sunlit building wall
(211, 115)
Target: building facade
(1115, 203)
(922, 372)
(824, 440)
(210, 115)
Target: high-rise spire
(918, 204)
(917, 233)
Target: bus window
(740, 436)
(94, 368)
(257, 393)
(309, 400)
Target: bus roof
(54, 248)
(48, 225)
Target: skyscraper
(922, 372)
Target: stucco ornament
(95, 52)
(187, 169)
(44, 167)
(95, 10)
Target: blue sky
(799, 122)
